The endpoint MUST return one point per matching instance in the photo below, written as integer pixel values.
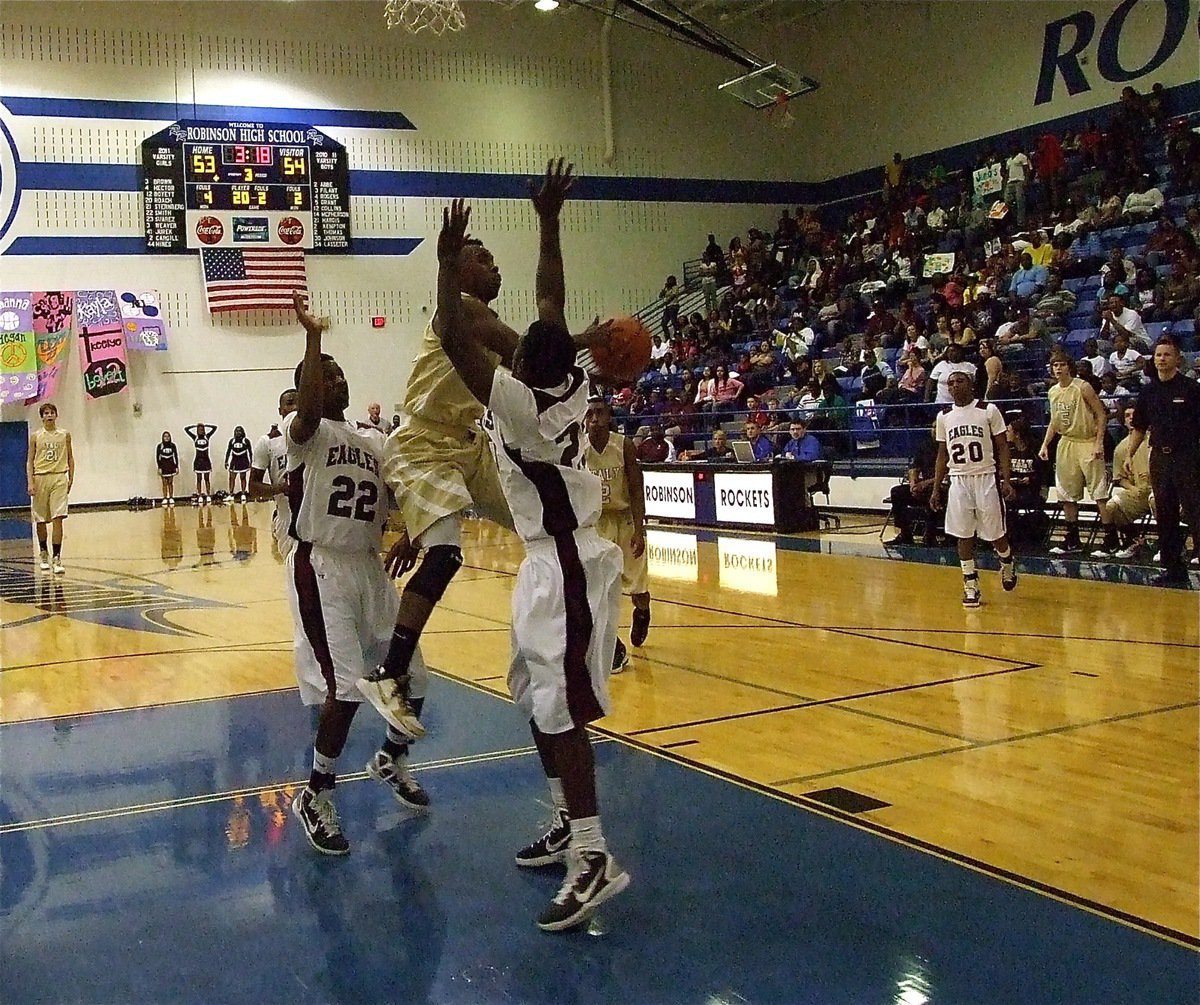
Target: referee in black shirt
(1169, 409)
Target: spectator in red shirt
(1051, 167)
(727, 391)
(655, 448)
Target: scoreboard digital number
(245, 184)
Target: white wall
(514, 89)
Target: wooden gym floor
(1047, 741)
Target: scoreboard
(245, 184)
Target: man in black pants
(1169, 410)
(913, 493)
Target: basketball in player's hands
(625, 353)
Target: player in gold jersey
(623, 517)
(50, 472)
(438, 462)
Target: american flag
(244, 279)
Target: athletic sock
(586, 835)
(968, 569)
(1006, 557)
(1072, 532)
(556, 793)
(400, 652)
(324, 772)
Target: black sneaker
(641, 627)
(899, 540)
(620, 657)
(319, 817)
(592, 878)
(396, 776)
(551, 847)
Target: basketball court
(829, 782)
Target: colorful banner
(988, 180)
(102, 356)
(145, 328)
(18, 351)
(95, 309)
(52, 314)
(941, 261)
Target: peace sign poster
(18, 348)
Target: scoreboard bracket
(210, 184)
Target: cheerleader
(166, 457)
(202, 465)
(237, 462)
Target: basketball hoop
(439, 16)
(778, 112)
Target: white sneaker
(1195, 562)
(44, 562)
(1157, 557)
(1128, 551)
(972, 598)
(58, 567)
(388, 697)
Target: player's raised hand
(549, 198)
(453, 235)
(314, 326)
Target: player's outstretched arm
(470, 361)
(548, 201)
(310, 394)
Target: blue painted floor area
(736, 897)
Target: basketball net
(778, 113)
(438, 16)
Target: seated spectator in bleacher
(763, 449)
(1028, 281)
(1026, 516)
(911, 383)
(678, 417)
(1055, 303)
(848, 364)
(667, 366)
(913, 495)
(658, 348)
(756, 412)
(718, 449)
(937, 387)
(939, 339)
(914, 342)
(1109, 209)
(1039, 249)
(656, 448)
(1130, 499)
(726, 391)
(809, 401)
(1099, 362)
(983, 315)
(1022, 331)
(1144, 201)
(1126, 361)
(874, 374)
(762, 372)
(1112, 396)
(991, 371)
(962, 334)
(706, 390)
(802, 446)
(1181, 294)
(1083, 370)
(1146, 295)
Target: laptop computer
(744, 452)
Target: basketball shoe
(44, 561)
(1070, 545)
(620, 658)
(971, 595)
(551, 847)
(58, 567)
(592, 878)
(641, 627)
(397, 777)
(1008, 574)
(319, 818)
(388, 695)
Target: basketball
(626, 353)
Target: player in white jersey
(971, 439)
(565, 602)
(268, 473)
(50, 473)
(341, 597)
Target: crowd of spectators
(1086, 243)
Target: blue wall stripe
(169, 111)
(76, 246)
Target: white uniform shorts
(617, 526)
(344, 610)
(564, 629)
(974, 507)
(49, 500)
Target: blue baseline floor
(737, 897)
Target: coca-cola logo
(290, 230)
(209, 230)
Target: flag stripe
(237, 279)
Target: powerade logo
(251, 230)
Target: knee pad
(440, 565)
